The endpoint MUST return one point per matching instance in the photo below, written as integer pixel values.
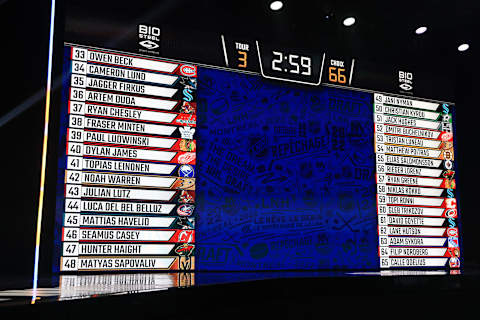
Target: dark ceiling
(384, 30)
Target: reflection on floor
(71, 287)
(85, 286)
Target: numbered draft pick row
(417, 201)
(129, 221)
(407, 141)
(129, 235)
(412, 190)
(444, 154)
(126, 263)
(134, 140)
(73, 249)
(82, 81)
(409, 112)
(84, 68)
(179, 157)
(117, 179)
(129, 61)
(83, 122)
(124, 220)
(405, 102)
(416, 211)
(79, 163)
(84, 95)
(412, 262)
(136, 114)
(77, 205)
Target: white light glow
(421, 30)
(276, 5)
(349, 21)
(463, 47)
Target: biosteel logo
(188, 70)
(405, 80)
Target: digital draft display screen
(274, 160)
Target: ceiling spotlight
(276, 5)
(349, 21)
(463, 47)
(421, 30)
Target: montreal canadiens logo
(185, 210)
(188, 70)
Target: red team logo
(451, 203)
(451, 213)
(446, 136)
(452, 232)
(188, 70)
(185, 236)
(186, 158)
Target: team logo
(447, 127)
(185, 236)
(451, 213)
(451, 203)
(446, 145)
(454, 262)
(185, 210)
(446, 117)
(186, 170)
(186, 119)
(188, 83)
(186, 223)
(452, 232)
(187, 145)
(185, 197)
(186, 158)
(184, 183)
(453, 242)
(450, 184)
(187, 94)
(188, 70)
(454, 252)
(448, 164)
(449, 174)
(446, 136)
(185, 249)
(188, 107)
(187, 132)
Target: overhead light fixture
(276, 5)
(421, 30)
(349, 21)
(463, 47)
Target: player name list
(129, 188)
(416, 203)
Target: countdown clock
(293, 65)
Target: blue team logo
(185, 210)
(186, 170)
(454, 262)
(187, 94)
(453, 242)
